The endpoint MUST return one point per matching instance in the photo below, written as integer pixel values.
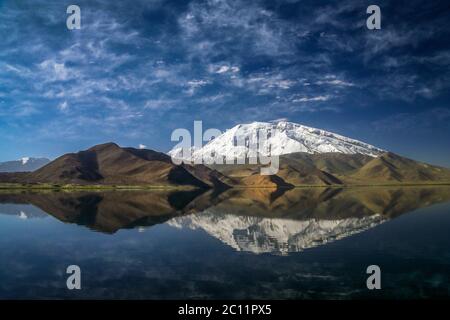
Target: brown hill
(333, 163)
(257, 181)
(109, 164)
(294, 170)
(390, 167)
(300, 169)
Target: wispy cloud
(155, 63)
(312, 99)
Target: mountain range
(25, 164)
(308, 157)
(303, 169)
(109, 164)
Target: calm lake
(311, 243)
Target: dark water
(298, 244)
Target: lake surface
(312, 243)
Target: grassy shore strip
(18, 186)
(365, 185)
(68, 187)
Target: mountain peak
(103, 146)
(284, 137)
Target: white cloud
(63, 106)
(283, 84)
(336, 82)
(161, 103)
(261, 30)
(15, 70)
(195, 84)
(266, 83)
(226, 69)
(223, 69)
(312, 99)
(142, 146)
(53, 70)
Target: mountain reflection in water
(252, 220)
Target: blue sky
(139, 69)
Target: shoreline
(53, 187)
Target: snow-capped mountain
(278, 236)
(282, 137)
(25, 164)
